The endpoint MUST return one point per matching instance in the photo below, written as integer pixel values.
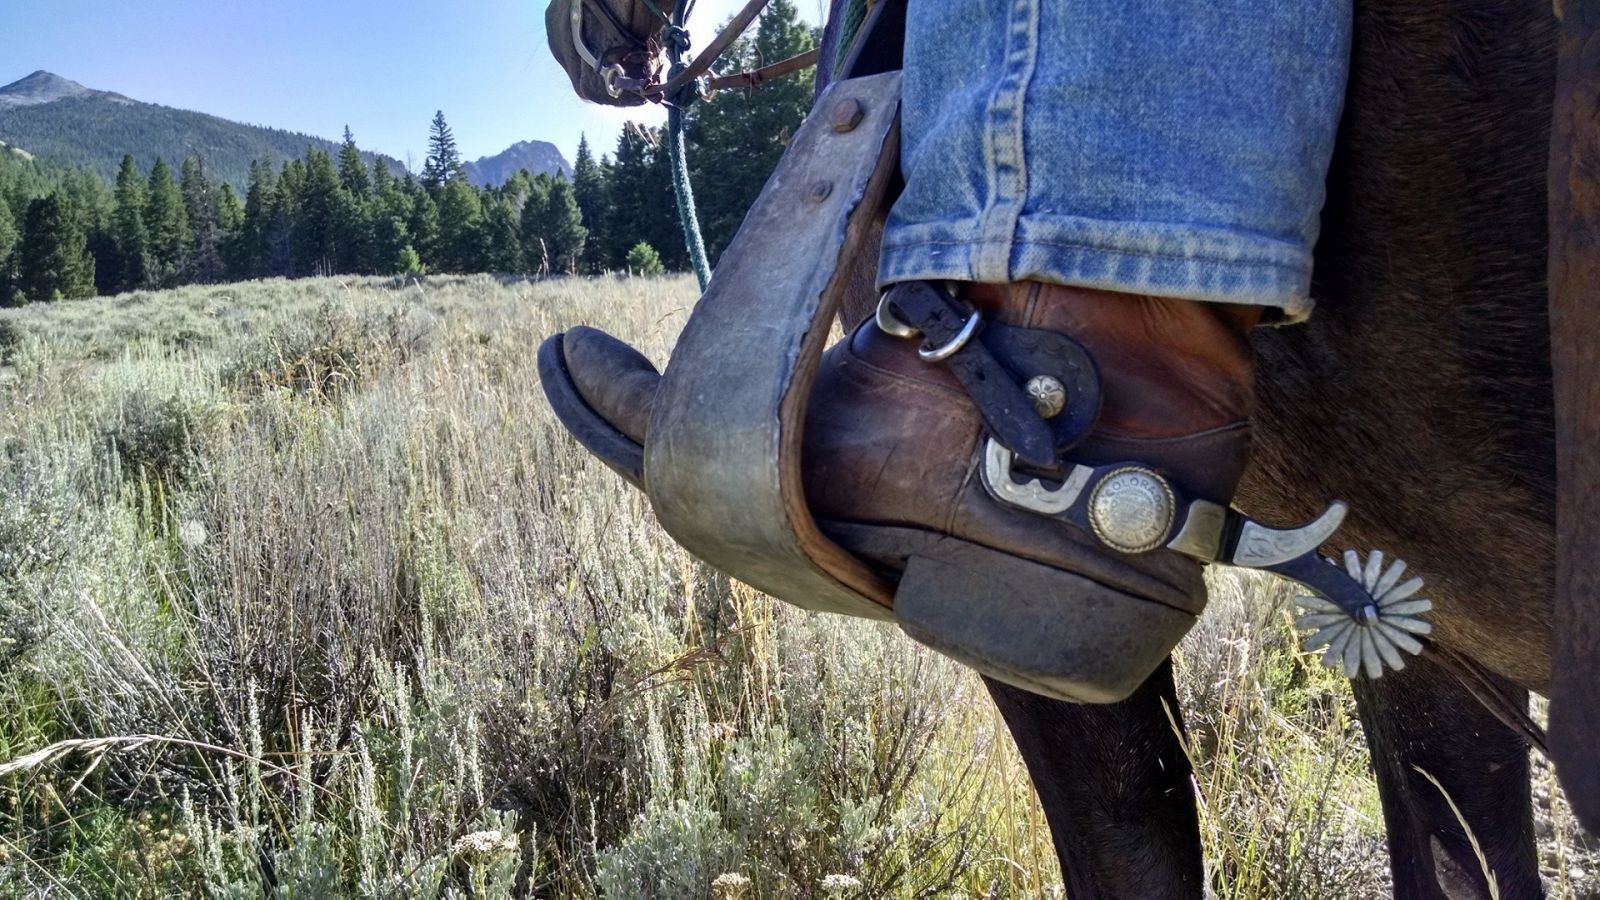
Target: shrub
(158, 432)
(332, 351)
(644, 261)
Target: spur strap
(993, 363)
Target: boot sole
(621, 453)
(1031, 625)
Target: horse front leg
(1422, 720)
(1114, 783)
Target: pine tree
(203, 263)
(460, 228)
(55, 260)
(589, 188)
(230, 219)
(168, 226)
(502, 245)
(641, 198)
(352, 171)
(382, 178)
(736, 141)
(8, 243)
(443, 164)
(531, 226)
(133, 264)
(564, 233)
(318, 212)
(248, 252)
(230, 214)
(423, 224)
(644, 261)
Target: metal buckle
(889, 323)
(940, 354)
(1031, 495)
(609, 76)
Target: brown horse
(1421, 392)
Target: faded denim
(1148, 146)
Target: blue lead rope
(677, 41)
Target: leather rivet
(1048, 394)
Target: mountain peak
(535, 156)
(40, 87)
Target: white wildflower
(483, 843)
(837, 885)
(729, 886)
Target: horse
(1420, 391)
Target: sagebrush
(304, 592)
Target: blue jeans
(1147, 146)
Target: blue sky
(381, 67)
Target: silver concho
(1131, 510)
(1048, 394)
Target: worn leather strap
(1002, 403)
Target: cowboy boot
(1082, 602)
(1064, 590)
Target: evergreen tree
(589, 188)
(248, 246)
(319, 202)
(443, 164)
(55, 260)
(531, 226)
(460, 228)
(736, 140)
(168, 226)
(423, 224)
(91, 206)
(502, 244)
(203, 264)
(230, 214)
(133, 264)
(352, 171)
(564, 233)
(642, 206)
(382, 178)
(391, 242)
(8, 243)
(230, 219)
(644, 261)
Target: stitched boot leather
(891, 440)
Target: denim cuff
(1194, 263)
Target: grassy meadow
(304, 592)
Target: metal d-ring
(940, 354)
(889, 323)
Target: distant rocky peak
(48, 87)
(535, 156)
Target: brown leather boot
(895, 456)
(1047, 567)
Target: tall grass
(304, 592)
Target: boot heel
(1033, 626)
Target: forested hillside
(69, 231)
(95, 130)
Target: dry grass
(302, 590)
